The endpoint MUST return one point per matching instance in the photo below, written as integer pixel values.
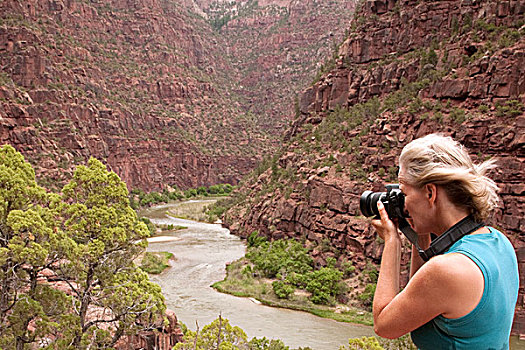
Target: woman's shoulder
(451, 268)
(459, 278)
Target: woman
(464, 298)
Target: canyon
(152, 87)
(318, 101)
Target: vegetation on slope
(169, 81)
(281, 273)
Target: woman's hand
(386, 228)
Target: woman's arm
(388, 281)
(422, 299)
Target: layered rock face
(138, 84)
(407, 69)
(163, 338)
(151, 88)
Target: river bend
(202, 251)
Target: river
(202, 251)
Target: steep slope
(139, 84)
(407, 68)
(157, 88)
(276, 48)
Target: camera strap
(442, 243)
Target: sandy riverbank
(159, 239)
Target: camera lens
(368, 203)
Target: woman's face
(417, 204)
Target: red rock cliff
(138, 84)
(151, 88)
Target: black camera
(393, 200)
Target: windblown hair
(442, 161)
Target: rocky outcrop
(455, 67)
(163, 338)
(376, 62)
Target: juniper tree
(219, 334)
(83, 240)
(100, 270)
(29, 243)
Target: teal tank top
(488, 325)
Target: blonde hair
(442, 161)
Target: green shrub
(458, 115)
(483, 108)
(266, 344)
(348, 269)
(324, 284)
(511, 108)
(364, 343)
(367, 296)
(155, 263)
(509, 37)
(371, 272)
(281, 257)
(282, 289)
(190, 193)
(254, 240)
(401, 343)
(151, 226)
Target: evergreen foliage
(280, 257)
(364, 343)
(220, 334)
(139, 198)
(373, 343)
(324, 284)
(155, 263)
(85, 239)
(289, 262)
(217, 335)
(254, 240)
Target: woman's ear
(431, 192)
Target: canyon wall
(128, 82)
(407, 69)
(155, 88)
(277, 47)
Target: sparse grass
(192, 210)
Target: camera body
(393, 200)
